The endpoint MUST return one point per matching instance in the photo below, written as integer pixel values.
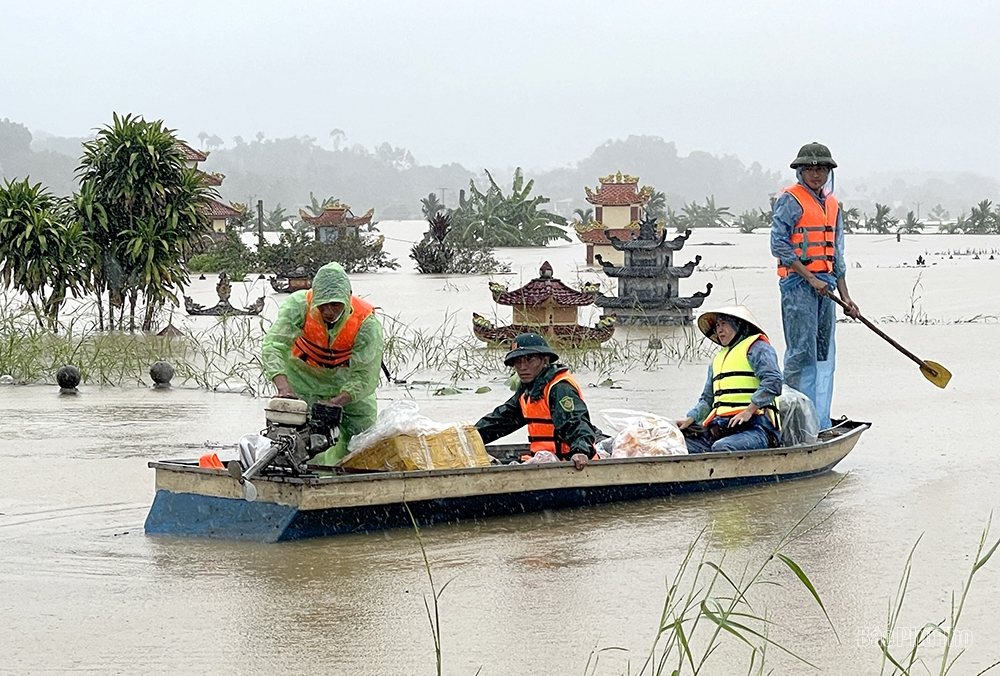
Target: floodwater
(82, 589)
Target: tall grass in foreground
(946, 629)
(229, 352)
(707, 604)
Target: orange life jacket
(314, 346)
(541, 430)
(816, 231)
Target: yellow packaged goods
(454, 447)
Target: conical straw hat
(706, 322)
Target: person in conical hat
(807, 238)
(737, 410)
(548, 401)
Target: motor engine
(297, 433)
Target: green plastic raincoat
(313, 383)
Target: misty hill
(390, 179)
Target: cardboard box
(457, 446)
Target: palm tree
(656, 207)
(152, 210)
(430, 205)
(982, 219)
(910, 226)
(939, 214)
(585, 215)
(852, 219)
(883, 222)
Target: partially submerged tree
(494, 219)
(357, 253)
(883, 222)
(430, 205)
(910, 226)
(436, 253)
(43, 251)
(153, 210)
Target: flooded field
(82, 589)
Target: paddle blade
(935, 373)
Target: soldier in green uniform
(548, 400)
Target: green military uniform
(313, 383)
(570, 416)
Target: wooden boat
(192, 501)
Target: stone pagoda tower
(648, 280)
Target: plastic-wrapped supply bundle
(798, 418)
(640, 435)
(402, 439)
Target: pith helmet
(812, 155)
(706, 322)
(528, 343)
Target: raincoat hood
(331, 285)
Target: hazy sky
(888, 85)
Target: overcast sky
(887, 85)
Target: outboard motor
(296, 437)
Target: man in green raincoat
(326, 345)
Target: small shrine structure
(218, 212)
(223, 307)
(548, 307)
(619, 206)
(336, 221)
(648, 280)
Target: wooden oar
(933, 371)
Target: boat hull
(191, 501)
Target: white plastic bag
(640, 434)
(399, 417)
(799, 423)
(252, 446)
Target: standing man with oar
(807, 238)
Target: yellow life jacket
(734, 381)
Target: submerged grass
(228, 353)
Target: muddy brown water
(82, 589)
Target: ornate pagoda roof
(541, 289)
(619, 190)
(594, 232)
(190, 154)
(217, 210)
(336, 214)
(676, 244)
(212, 179)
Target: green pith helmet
(528, 343)
(812, 155)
